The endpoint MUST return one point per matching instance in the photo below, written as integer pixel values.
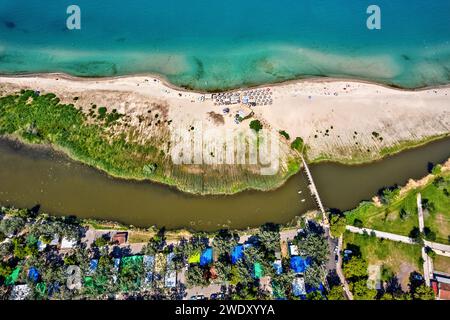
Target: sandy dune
(339, 119)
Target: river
(32, 176)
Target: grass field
(399, 258)
(399, 214)
(442, 264)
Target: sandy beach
(348, 121)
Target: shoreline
(284, 115)
(165, 81)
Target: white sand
(301, 108)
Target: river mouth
(31, 176)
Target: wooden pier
(314, 192)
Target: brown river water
(32, 176)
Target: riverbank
(383, 121)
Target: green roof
(133, 260)
(258, 269)
(41, 287)
(195, 258)
(12, 278)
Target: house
(277, 265)
(298, 287)
(120, 238)
(55, 240)
(265, 284)
(258, 270)
(206, 257)
(299, 264)
(170, 280)
(41, 245)
(293, 250)
(237, 253)
(169, 260)
(442, 281)
(149, 262)
(93, 264)
(68, 243)
(20, 292)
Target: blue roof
(116, 263)
(310, 289)
(237, 253)
(93, 265)
(277, 266)
(207, 257)
(33, 274)
(300, 264)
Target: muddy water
(31, 176)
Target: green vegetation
(441, 263)
(108, 141)
(387, 253)
(298, 144)
(284, 134)
(398, 213)
(398, 263)
(256, 125)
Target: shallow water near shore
(217, 45)
(32, 176)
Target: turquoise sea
(210, 45)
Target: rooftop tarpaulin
(207, 257)
(33, 274)
(299, 264)
(194, 258)
(237, 253)
(258, 270)
(12, 278)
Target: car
(336, 258)
(217, 296)
(198, 297)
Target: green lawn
(389, 253)
(442, 263)
(400, 214)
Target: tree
(315, 295)
(101, 241)
(361, 292)
(337, 225)
(195, 276)
(269, 235)
(336, 293)
(223, 271)
(256, 125)
(356, 267)
(415, 234)
(297, 144)
(314, 246)
(315, 275)
(223, 243)
(430, 252)
(429, 234)
(423, 292)
(155, 244)
(12, 225)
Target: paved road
(340, 273)
(381, 234)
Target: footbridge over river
(314, 192)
